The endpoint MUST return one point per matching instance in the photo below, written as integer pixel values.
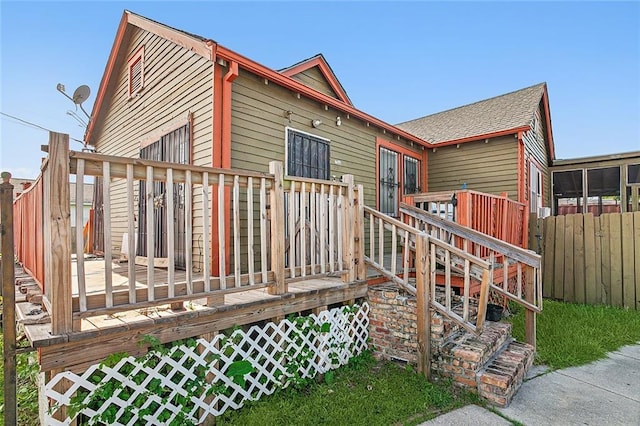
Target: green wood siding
(259, 121)
(176, 82)
(314, 79)
(487, 167)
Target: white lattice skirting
(190, 381)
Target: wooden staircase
(449, 270)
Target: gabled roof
(501, 115)
(323, 66)
(214, 51)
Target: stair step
(478, 349)
(465, 354)
(503, 376)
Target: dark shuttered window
(307, 155)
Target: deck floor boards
(95, 276)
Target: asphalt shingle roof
(504, 112)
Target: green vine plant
(296, 359)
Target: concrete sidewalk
(603, 392)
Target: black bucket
(494, 312)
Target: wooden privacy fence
(593, 260)
(27, 229)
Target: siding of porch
(259, 124)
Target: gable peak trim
(322, 64)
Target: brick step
(464, 354)
(450, 328)
(502, 377)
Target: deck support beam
(348, 231)
(529, 315)
(358, 255)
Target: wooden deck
(94, 269)
(102, 335)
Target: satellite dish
(81, 94)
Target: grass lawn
(570, 334)
(362, 393)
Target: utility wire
(36, 126)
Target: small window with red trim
(136, 72)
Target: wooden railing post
(423, 305)
(9, 300)
(348, 230)
(530, 296)
(524, 234)
(361, 267)
(504, 231)
(276, 196)
(57, 234)
(463, 209)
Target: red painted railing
(494, 215)
(28, 230)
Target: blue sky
(396, 60)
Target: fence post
(276, 196)
(9, 300)
(423, 305)
(57, 234)
(348, 230)
(504, 203)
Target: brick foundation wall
(392, 321)
(490, 363)
(393, 325)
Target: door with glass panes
(399, 174)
